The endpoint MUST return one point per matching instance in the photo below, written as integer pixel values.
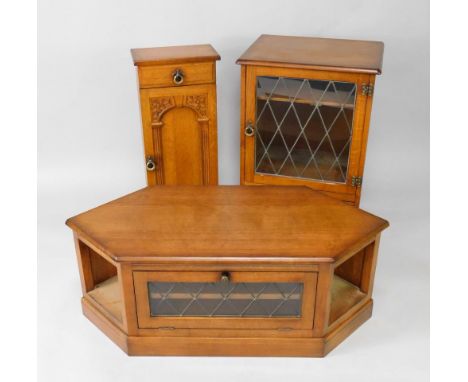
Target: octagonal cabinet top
(226, 222)
(358, 56)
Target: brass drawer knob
(178, 77)
(225, 277)
(150, 165)
(249, 129)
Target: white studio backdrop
(90, 152)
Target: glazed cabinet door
(304, 127)
(222, 300)
(179, 127)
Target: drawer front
(225, 300)
(187, 74)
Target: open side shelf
(331, 100)
(344, 295)
(107, 295)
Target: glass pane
(304, 128)
(225, 299)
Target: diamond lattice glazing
(304, 128)
(221, 299)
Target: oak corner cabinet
(178, 110)
(161, 276)
(305, 111)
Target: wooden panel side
(211, 346)
(249, 141)
(357, 136)
(93, 267)
(84, 264)
(211, 149)
(322, 299)
(128, 298)
(148, 135)
(347, 327)
(111, 330)
(369, 266)
(364, 138)
(242, 123)
(101, 269)
(351, 270)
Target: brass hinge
(356, 181)
(367, 90)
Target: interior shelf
(107, 294)
(325, 161)
(331, 100)
(344, 296)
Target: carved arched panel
(180, 127)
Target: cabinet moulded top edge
(174, 54)
(361, 56)
(310, 67)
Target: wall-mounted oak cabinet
(305, 110)
(178, 111)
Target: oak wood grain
(174, 54)
(107, 294)
(344, 296)
(162, 75)
(227, 221)
(178, 111)
(227, 345)
(315, 53)
(180, 133)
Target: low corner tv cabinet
(227, 270)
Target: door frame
(146, 321)
(155, 102)
(358, 140)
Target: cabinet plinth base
(219, 346)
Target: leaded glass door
(267, 300)
(304, 127)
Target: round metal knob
(178, 77)
(224, 277)
(249, 129)
(150, 165)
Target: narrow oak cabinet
(178, 110)
(305, 111)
